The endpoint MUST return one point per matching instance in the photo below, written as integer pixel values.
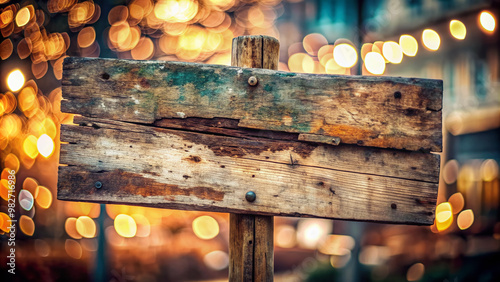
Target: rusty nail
(253, 81)
(250, 196)
(98, 185)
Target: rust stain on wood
(127, 183)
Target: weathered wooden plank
(387, 112)
(169, 168)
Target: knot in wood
(252, 81)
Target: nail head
(98, 185)
(252, 81)
(250, 196)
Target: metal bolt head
(98, 185)
(250, 196)
(252, 81)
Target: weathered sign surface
(198, 137)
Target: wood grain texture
(385, 112)
(170, 168)
(258, 237)
(251, 247)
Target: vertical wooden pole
(251, 243)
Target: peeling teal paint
(147, 70)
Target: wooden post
(251, 242)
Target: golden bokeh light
(30, 146)
(392, 52)
(313, 42)
(125, 225)
(450, 171)
(205, 227)
(4, 222)
(489, 170)
(43, 197)
(431, 39)
(85, 226)
(30, 184)
(415, 272)
(15, 80)
(443, 212)
(23, 16)
(216, 260)
(285, 236)
(4, 189)
(336, 245)
(73, 249)
(458, 29)
(487, 21)
(45, 145)
(465, 219)
(444, 216)
(144, 49)
(345, 55)
(70, 228)
(27, 225)
(86, 37)
(119, 14)
(143, 225)
(375, 63)
(457, 202)
(295, 62)
(6, 48)
(39, 69)
(11, 161)
(24, 48)
(27, 99)
(310, 232)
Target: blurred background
(454, 40)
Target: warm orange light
(431, 39)
(286, 236)
(125, 226)
(409, 45)
(85, 226)
(205, 227)
(345, 55)
(487, 21)
(11, 161)
(450, 171)
(73, 249)
(375, 63)
(70, 228)
(30, 184)
(457, 202)
(313, 42)
(4, 222)
(458, 29)
(43, 197)
(216, 260)
(30, 146)
(45, 145)
(15, 80)
(86, 37)
(465, 219)
(392, 52)
(27, 225)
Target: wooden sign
(200, 137)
